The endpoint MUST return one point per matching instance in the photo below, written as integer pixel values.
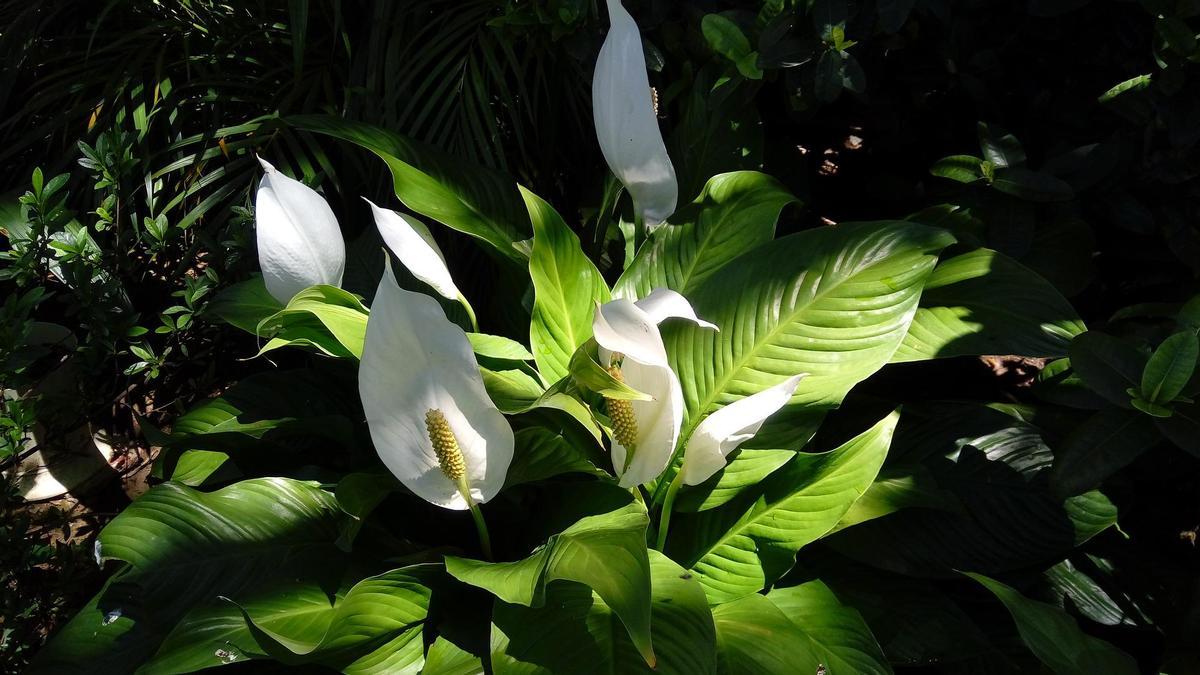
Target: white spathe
(417, 251)
(626, 123)
(723, 431)
(415, 360)
(631, 329)
(299, 241)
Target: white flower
(626, 122)
(299, 241)
(411, 243)
(430, 418)
(644, 432)
(723, 431)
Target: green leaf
(186, 549)
(999, 147)
(1108, 365)
(541, 453)
(173, 525)
(357, 495)
(1084, 590)
(1033, 186)
(340, 313)
(1131, 98)
(1170, 367)
(747, 544)
(984, 302)
(727, 39)
(828, 15)
(446, 658)
(590, 375)
(1055, 638)
(830, 76)
(1104, 444)
(734, 213)
(376, 628)
(605, 552)
(961, 168)
(993, 464)
(833, 302)
(575, 630)
(746, 468)
(755, 638)
(895, 489)
(566, 286)
(463, 195)
(244, 305)
(277, 404)
(838, 635)
(497, 347)
(512, 390)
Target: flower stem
(462, 300)
(485, 541)
(664, 520)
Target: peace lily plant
(639, 432)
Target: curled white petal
(299, 241)
(626, 122)
(415, 360)
(620, 326)
(663, 304)
(407, 239)
(723, 431)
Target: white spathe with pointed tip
(723, 431)
(415, 360)
(299, 241)
(626, 122)
(631, 329)
(417, 251)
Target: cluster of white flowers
(418, 366)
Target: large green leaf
(577, 632)
(735, 213)
(754, 637)
(541, 453)
(244, 304)
(1108, 365)
(837, 632)
(340, 313)
(984, 302)
(173, 525)
(895, 489)
(605, 552)
(376, 628)
(1055, 638)
(184, 551)
(752, 541)
(833, 302)
(280, 409)
(566, 286)
(915, 622)
(994, 465)
(746, 468)
(463, 195)
(1099, 447)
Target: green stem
(462, 300)
(485, 541)
(664, 520)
